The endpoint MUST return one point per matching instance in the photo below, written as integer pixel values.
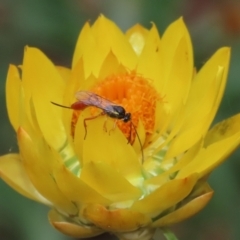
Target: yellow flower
(102, 183)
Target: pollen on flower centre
(135, 94)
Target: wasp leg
(130, 135)
(113, 128)
(105, 124)
(139, 140)
(90, 118)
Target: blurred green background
(54, 25)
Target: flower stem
(168, 234)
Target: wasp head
(127, 117)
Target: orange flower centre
(135, 94)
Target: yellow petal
(40, 76)
(136, 36)
(150, 60)
(84, 37)
(48, 83)
(39, 163)
(212, 156)
(176, 45)
(110, 66)
(108, 182)
(110, 147)
(115, 41)
(13, 173)
(203, 102)
(65, 73)
(13, 86)
(182, 162)
(88, 83)
(98, 35)
(208, 86)
(165, 196)
(179, 79)
(75, 83)
(185, 159)
(48, 117)
(76, 190)
(223, 130)
(163, 137)
(79, 135)
(74, 230)
(184, 212)
(119, 220)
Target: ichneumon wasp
(89, 99)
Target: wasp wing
(92, 99)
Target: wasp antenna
(140, 143)
(59, 105)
